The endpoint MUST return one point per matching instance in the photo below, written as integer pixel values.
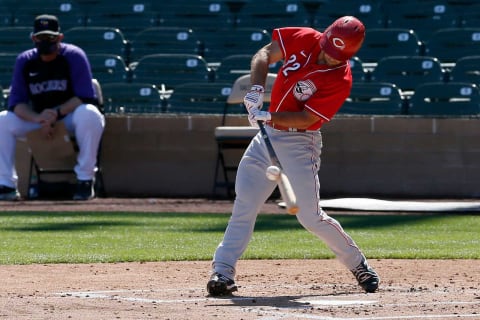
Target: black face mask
(46, 46)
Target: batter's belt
(281, 128)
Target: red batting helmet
(343, 38)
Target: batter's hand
(257, 115)
(254, 98)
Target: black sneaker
(367, 278)
(219, 285)
(9, 194)
(84, 190)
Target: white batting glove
(257, 115)
(254, 98)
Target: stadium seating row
(372, 98)
(133, 15)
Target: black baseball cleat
(367, 278)
(84, 190)
(9, 194)
(219, 285)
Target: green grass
(82, 237)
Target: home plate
(324, 302)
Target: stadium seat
(99, 40)
(236, 65)
(15, 39)
(130, 16)
(451, 44)
(234, 139)
(466, 12)
(466, 69)
(358, 71)
(132, 98)
(170, 70)
(424, 17)
(164, 40)
(374, 98)
(220, 43)
(108, 68)
(269, 15)
(445, 99)
(7, 64)
(381, 43)
(407, 72)
(194, 14)
(68, 12)
(368, 11)
(199, 97)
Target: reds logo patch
(304, 90)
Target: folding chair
(52, 162)
(235, 138)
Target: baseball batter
(310, 88)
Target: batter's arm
(267, 55)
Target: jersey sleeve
(18, 89)
(292, 39)
(81, 74)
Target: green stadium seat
(132, 98)
(170, 70)
(130, 16)
(7, 64)
(15, 39)
(164, 40)
(445, 99)
(374, 98)
(380, 43)
(407, 72)
(68, 12)
(199, 97)
(451, 44)
(99, 40)
(233, 66)
(220, 43)
(368, 11)
(424, 17)
(194, 14)
(466, 69)
(359, 73)
(269, 15)
(108, 67)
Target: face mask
(46, 46)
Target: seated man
(51, 82)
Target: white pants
(86, 123)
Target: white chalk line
(278, 313)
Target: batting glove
(254, 98)
(257, 115)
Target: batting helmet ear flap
(343, 38)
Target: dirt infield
(273, 289)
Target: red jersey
(302, 83)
